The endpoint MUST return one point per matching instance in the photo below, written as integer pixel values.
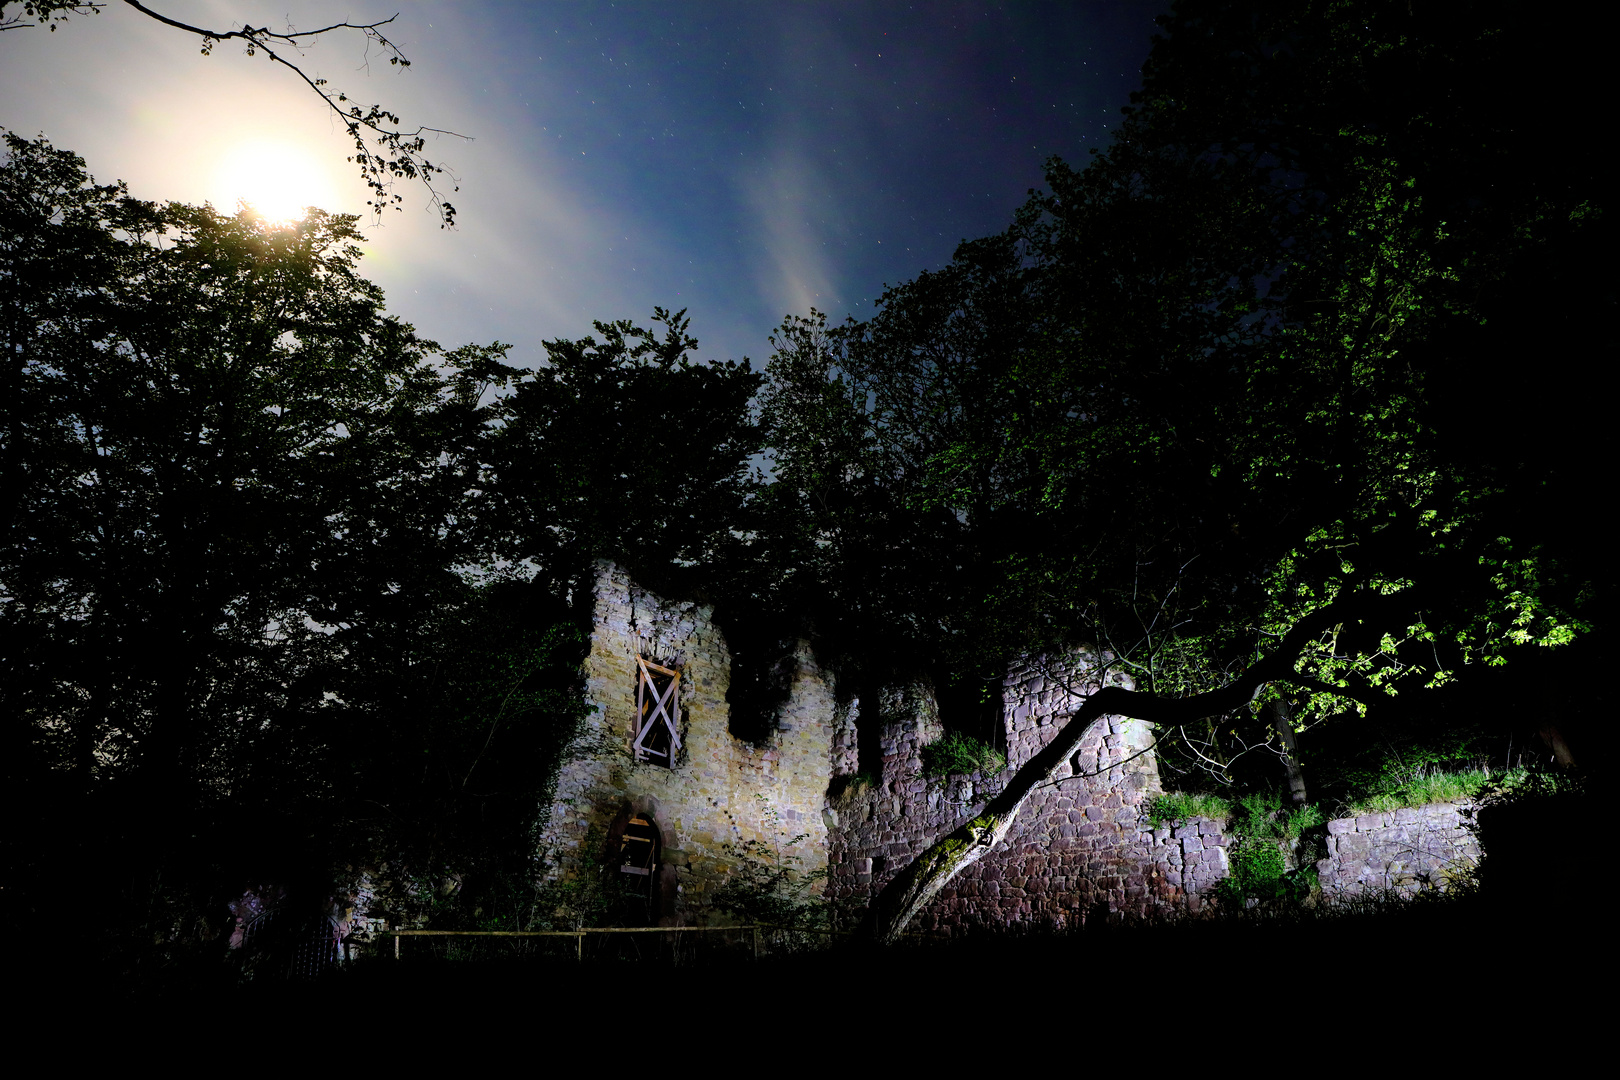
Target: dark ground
(1523, 954)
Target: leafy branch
(49, 12)
(398, 153)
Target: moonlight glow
(277, 180)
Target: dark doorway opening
(639, 883)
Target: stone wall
(723, 793)
(1078, 847)
(1081, 846)
(1401, 851)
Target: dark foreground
(1443, 957)
(1522, 948)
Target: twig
(400, 155)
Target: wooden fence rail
(579, 935)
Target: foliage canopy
(236, 629)
(1216, 379)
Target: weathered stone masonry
(723, 792)
(1077, 845)
(1402, 851)
(1080, 847)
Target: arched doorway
(641, 882)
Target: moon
(277, 180)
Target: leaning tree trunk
(910, 891)
(916, 885)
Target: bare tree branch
(398, 154)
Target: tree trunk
(1282, 722)
(913, 888)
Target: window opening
(658, 702)
(762, 667)
(970, 704)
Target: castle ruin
(657, 788)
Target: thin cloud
(794, 211)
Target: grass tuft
(957, 753)
(1428, 785)
(1183, 805)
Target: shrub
(1261, 815)
(1259, 872)
(958, 754)
(768, 883)
(766, 888)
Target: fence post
(396, 946)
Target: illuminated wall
(1081, 848)
(724, 798)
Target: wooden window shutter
(658, 704)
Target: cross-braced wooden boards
(656, 705)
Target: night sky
(740, 160)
